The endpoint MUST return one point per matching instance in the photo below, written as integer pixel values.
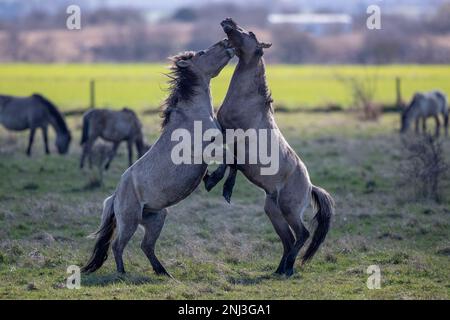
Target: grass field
(142, 86)
(216, 250)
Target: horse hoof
(227, 197)
(164, 273)
(289, 272)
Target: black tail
(85, 134)
(60, 122)
(325, 205)
(104, 237)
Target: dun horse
(112, 126)
(154, 182)
(248, 105)
(22, 113)
(423, 106)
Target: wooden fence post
(92, 93)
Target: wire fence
(290, 92)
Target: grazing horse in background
(112, 126)
(154, 182)
(101, 153)
(21, 113)
(423, 106)
(248, 105)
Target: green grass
(142, 86)
(216, 250)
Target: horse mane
(181, 85)
(54, 112)
(440, 95)
(412, 103)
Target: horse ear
(183, 63)
(265, 45)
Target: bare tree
(363, 90)
(424, 166)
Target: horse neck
(56, 126)
(248, 79)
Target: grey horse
(423, 106)
(33, 112)
(154, 182)
(112, 126)
(248, 105)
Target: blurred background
(323, 31)
(323, 54)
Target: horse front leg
(45, 138)
(30, 141)
(424, 125)
(211, 180)
(112, 154)
(130, 152)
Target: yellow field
(143, 86)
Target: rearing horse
(248, 105)
(21, 113)
(155, 182)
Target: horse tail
(325, 209)
(104, 236)
(59, 119)
(86, 120)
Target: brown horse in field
(22, 113)
(115, 127)
(248, 105)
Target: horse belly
(164, 188)
(15, 124)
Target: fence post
(92, 93)
(398, 88)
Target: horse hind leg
(112, 155)
(438, 126)
(30, 141)
(127, 223)
(153, 223)
(281, 228)
(293, 210)
(45, 138)
(424, 125)
(130, 152)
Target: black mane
(181, 86)
(62, 126)
(264, 88)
